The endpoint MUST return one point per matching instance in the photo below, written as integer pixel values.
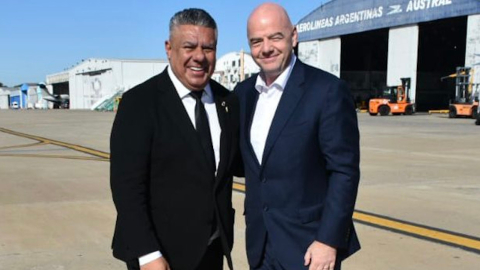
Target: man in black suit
(300, 145)
(173, 145)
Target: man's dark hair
(192, 16)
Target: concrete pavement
(56, 210)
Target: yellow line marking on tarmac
(238, 187)
(22, 145)
(419, 231)
(53, 156)
(78, 148)
(437, 111)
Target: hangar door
(441, 50)
(364, 64)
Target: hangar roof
(342, 17)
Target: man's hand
(157, 264)
(320, 256)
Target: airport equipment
(395, 99)
(465, 102)
(109, 103)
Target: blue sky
(38, 38)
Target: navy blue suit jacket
(306, 187)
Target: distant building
(92, 81)
(30, 97)
(5, 96)
(234, 67)
(22, 96)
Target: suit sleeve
(339, 141)
(130, 145)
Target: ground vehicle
(465, 102)
(15, 105)
(394, 99)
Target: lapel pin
(225, 105)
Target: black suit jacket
(306, 186)
(164, 192)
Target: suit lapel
(292, 94)
(226, 132)
(176, 111)
(250, 105)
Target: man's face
(191, 51)
(271, 40)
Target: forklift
(395, 99)
(465, 103)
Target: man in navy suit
(300, 145)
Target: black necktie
(203, 128)
(203, 131)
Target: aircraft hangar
(94, 81)
(373, 44)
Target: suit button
(347, 237)
(264, 180)
(265, 208)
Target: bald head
(271, 37)
(269, 11)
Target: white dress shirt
(209, 103)
(215, 131)
(268, 99)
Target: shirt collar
(281, 80)
(184, 92)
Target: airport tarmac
(418, 205)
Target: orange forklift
(465, 103)
(394, 100)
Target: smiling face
(191, 52)
(271, 37)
